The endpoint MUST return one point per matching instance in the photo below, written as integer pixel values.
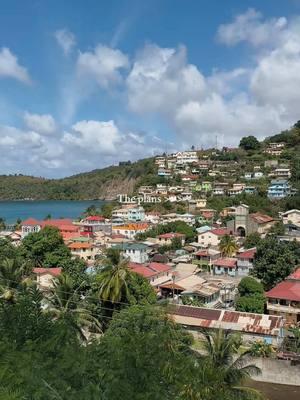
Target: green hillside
(97, 184)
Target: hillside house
(213, 237)
(44, 277)
(278, 189)
(225, 266)
(84, 250)
(135, 252)
(291, 217)
(129, 231)
(156, 273)
(166, 239)
(284, 299)
(245, 261)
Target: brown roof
(231, 320)
(261, 218)
(225, 262)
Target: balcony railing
(285, 309)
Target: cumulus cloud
(104, 65)
(42, 123)
(88, 144)
(250, 27)
(10, 67)
(161, 79)
(66, 40)
(260, 100)
(94, 136)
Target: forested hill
(97, 184)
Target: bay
(39, 209)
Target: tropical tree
(45, 248)
(12, 278)
(65, 304)
(274, 261)
(145, 355)
(113, 278)
(231, 369)
(261, 349)
(249, 143)
(228, 246)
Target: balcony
(283, 309)
(244, 264)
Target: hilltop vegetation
(97, 184)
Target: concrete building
(84, 250)
(136, 252)
(278, 189)
(44, 277)
(244, 223)
(291, 217)
(225, 266)
(166, 239)
(284, 299)
(212, 238)
(245, 261)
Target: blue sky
(85, 84)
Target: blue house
(278, 189)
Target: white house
(291, 216)
(136, 252)
(212, 237)
(30, 225)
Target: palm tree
(231, 369)
(228, 246)
(12, 274)
(65, 305)
(113, 278)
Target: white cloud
(104, 65)
(249, 27)
(161, 79)
(66, 40)
(10, 67)
(42, 123)
(94, 136)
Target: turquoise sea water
(12, 210)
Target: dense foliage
(251, 296)
(275, 260)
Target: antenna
(216, 142)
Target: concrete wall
(277, 371)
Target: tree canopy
(275, 260)
(249, 143)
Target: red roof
(295, 275)
(150, 269)
(144, 271)
(247, 254)
(118, 236)
(286, 290)
(94, 218)
(51, 271)
(171, 235)
(159, 267)
(220, 231)
(225, 262)
(57, 222)
(31, 222)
